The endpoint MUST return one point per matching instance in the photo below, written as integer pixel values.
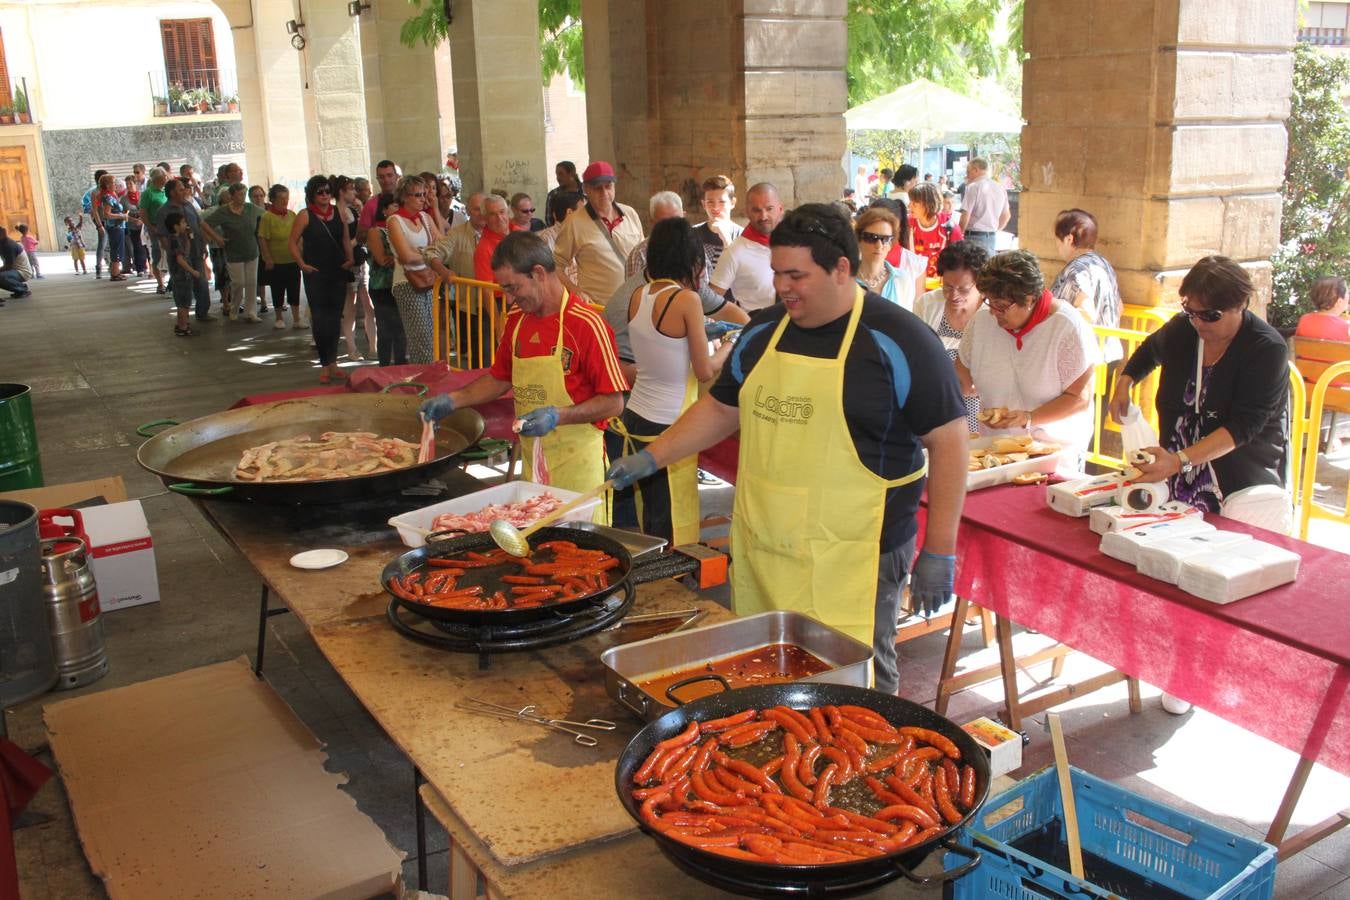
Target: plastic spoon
(513, 539)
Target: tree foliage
(560, 48)
(1315, 229)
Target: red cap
(598, 172)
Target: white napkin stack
(1105, 519)
(1162, 559)
(1125, 545)
(1078, 497)
(1238, 571)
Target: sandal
(117, 278)
(340, 376)
(184, 332)
(325, 379)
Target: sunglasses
(871, 237)
(418, 194)
(1204, 315)
(323, 192)
(526, 212)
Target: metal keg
(27, 667)
(73, 612)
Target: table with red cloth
(1276, 664)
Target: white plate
(319, 559)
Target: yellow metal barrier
(1104, 382)
(1298, 431)
(1308, 509)
(468, 320)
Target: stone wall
(1164, 118)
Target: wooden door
(16, 191)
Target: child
(29, 244)
(75, 241)
(181, 272)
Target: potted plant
(6, 115)
(21, 107)
(178, 98)
(204, 100)
(232, 103)
(161, 106)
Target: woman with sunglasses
(877, 229)
(411, 229)
(322, 248)
(1222, 399)
(1030, 358)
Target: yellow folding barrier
(468, 319)
(1308, 509)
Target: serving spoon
(514, 540)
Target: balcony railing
(1323, 37)
(194, 92)
(16, 109)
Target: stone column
(499, 95)
(271, 88)
(402, 116)
(1164, 119)
(336, 89)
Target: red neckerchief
(278, 210)
(410, 216)
(325, 212)
(751, 233)
(1039, 313)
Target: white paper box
(1223, 576)
(1003, 745)
(1125, 545)
(1162, 559)
(1105, 519)
(1078, 497)
(511, 492)
(123, 555)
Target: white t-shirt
(746, 271)
(985, 201)
(930, 307)
(1052, 357)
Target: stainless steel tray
(638, 544)
(625, 665)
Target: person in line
(180, 201)
(662, 205)
(670, 347)
(363, 192)
(410, 230)
(597, 243)
(928, 231)
(75, 244)
(1327, 321)
(522, 214)
(184, 267)
(357, 304)
(498, 224)
(387, 174)
(1223, 397)
(391, 344)
(836, 393)
(15, 272)
(153, 197)
(113, 215)
(90, 206)
(1087, 280)
(29, 242)
(257, 198)
(280, 269)
(1031, 356)
(448, 207)
(984, 206)
(566, 203)
(557, 355)
(902, 181)
(718, 232)
(453, 254)
(878, 229)
(949, 309)
(744, 270)
(565, 173)
(237, 220)
(322, 248)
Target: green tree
(560, 48)
(1315, 229)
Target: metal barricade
(468, 319)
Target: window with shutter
(5, 97)
(190, 53)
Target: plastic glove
(629, 469)
(539, 422)
(436, 408)
(930, 584)
(715, 330)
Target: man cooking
(558, 355)
(836, 394)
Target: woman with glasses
(410, 230)
(948, 310)
(1222, 399)
(1030, 358)
(322, 249)
(878, 228)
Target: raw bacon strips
(519, 514)
(336, 454)
(426, 450)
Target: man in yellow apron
(558, 355)
(836, 394)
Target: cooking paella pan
(198, 458)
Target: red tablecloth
(1277, 664)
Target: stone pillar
(336, 89)
(1164, 119)
(753, 89)
(499, 95)
(275, 149)
(402, 116)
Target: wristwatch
(1186, 464)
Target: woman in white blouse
(1029, 357)
(949, 309)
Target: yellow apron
(806, 526)
(575, 453)
(685, 518)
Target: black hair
(275, 191)
(384, 201)
(171, 220)
(314, 184)
(675, 251)
(521, 251)
(338, 183)
(98, 175)
(386, 164)
(564, 202)
(1219, 282)
(822, 228)
(21, 228)
(901, 214)
(960, 255)
(904, 174)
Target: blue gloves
(930, 584)
(539, 422)
(629, 469)
(436, 408)
(715, 330)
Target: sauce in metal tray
(770, 664)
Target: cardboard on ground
(205, 784)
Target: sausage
(905, 811)
(521, 579)
(677, 762)
(888, 798)
(822, 729)
(804, 721)
(748, 771)
(869, 717)
(929, 736)
(684, 738)
(944, 798)
(841, 759)
(967, 793)
(771, 767)
(882, 763)
(648, 768)
(806, 769)
(733, 782)
(821, 796)
(791, 754)
(790, 724)
(714, 725)
(847, 738)
(864, 732)
(909, 795)
(742, 735)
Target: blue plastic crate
(1166, 846)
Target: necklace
(874, 281)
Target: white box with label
(123, 555)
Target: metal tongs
(529, 714)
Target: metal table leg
(420, 814)
(264, 613)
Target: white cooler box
(511, 492)
(122, 553)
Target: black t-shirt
(9, 252)
(899, 384)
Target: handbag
(422, 279)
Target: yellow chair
(1326, 393)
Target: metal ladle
(514, 540)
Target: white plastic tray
(1003, 474)
(511, 492)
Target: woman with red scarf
(322, 248)
(1030, 358)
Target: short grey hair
(492, 199)
(158, 176)
(665, 198)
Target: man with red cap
(598, 243)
